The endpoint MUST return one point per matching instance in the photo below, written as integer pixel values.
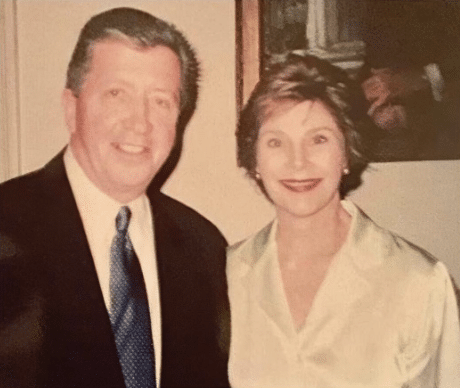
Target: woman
(323, 297)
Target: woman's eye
(114, 92)
(319, 139)
(274, 143)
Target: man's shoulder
(18, 194)
(25, 181)
(186, 234)
(23, 186)
(185, 218)
(24, 198)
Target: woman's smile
(300, 158)
(300, 185)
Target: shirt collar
(264, 242)
(94, 205)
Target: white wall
(419, 200)
(48, 30)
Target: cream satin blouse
(384, 317)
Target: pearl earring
(257, 175)
(346, 171)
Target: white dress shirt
(98, 212)
(385, 316)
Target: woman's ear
(69, 104)
(257, 173)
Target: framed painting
(405, 55)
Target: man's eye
(274, 143)
(163, 103)
(319, 139)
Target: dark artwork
(284, 26)
(409, 69)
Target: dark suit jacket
(54, 326)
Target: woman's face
(301, 158)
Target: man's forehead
(129, 42)
(118, 55)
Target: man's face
(123, 124)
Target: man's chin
(129, 186)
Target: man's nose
(141, 122)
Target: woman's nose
(299, 156)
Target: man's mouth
(302, 185)
(131, 148)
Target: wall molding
(10, 155)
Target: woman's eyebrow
(321, 128)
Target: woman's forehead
(278, 107)
(304, 113)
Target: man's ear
(69, 104)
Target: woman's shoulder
(247, 251)
(406, 276)
(377, 247)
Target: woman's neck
(313, 237)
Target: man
(106, 282)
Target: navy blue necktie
(129, 313)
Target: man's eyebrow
(173, 93)
(163, 90)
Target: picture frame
(419, 126)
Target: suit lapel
(175, 280)
(81, 332)
(189, 305)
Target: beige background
(419, 200)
